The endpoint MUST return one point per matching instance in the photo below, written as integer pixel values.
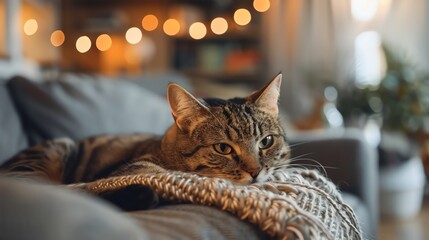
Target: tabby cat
(238, 139)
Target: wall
(312, 42)
(406, 28)
(23, 54)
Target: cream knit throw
(303, 205)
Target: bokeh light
(150, 22)
(369, 60)
(364, 10)
(171, 27)
(242, 17)
(57, 38)
(140, 53)
(197, 30)
(103, 42)
(219, 25)
(30, 27)
(261, 5)
(83, 44)
(131, 54)
(133, 35)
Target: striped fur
(238, 139)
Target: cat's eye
(223, 148)
(266, 142)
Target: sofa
(80, 105)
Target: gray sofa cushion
(83, 106)
(362, 213)
(185, 221)
(36, 211)
(12, 137)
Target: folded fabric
(303, 205)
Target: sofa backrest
(12, 135)
(79, 106)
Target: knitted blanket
(302, 205)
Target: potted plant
(400, 103)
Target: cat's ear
(185, 108)
(267, 97)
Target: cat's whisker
(301, 162)
(299, 157)
(311, 165)
(297, 144)
(316, 163)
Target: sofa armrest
(348, 160)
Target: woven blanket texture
(302, 204)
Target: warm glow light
(150, 22)
(131, 55)
(261, 5)
(364, 10)
(242, 17)
(171, 27)
(83, 44)
(133, 35)
(103, 42)
(219, 25)
(57, 38)
(30, 27)
(197, 30)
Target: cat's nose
(250, 164)
(254, 172)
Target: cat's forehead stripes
(240, 120)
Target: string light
(133, 35)
(242, 17)
(150, 22)
(261, 5)
(57, 38)
(171, 27)
(83, 44)
(103, 42)
(219, 26)
(197, 30)
(30, 27)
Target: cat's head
(238, 139)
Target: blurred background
(354, 63)
(315, 44)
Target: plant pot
(401, 189)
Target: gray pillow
(158, 82)
(12, 136)
(79, 106)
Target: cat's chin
(262, 178)
(244, 181)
